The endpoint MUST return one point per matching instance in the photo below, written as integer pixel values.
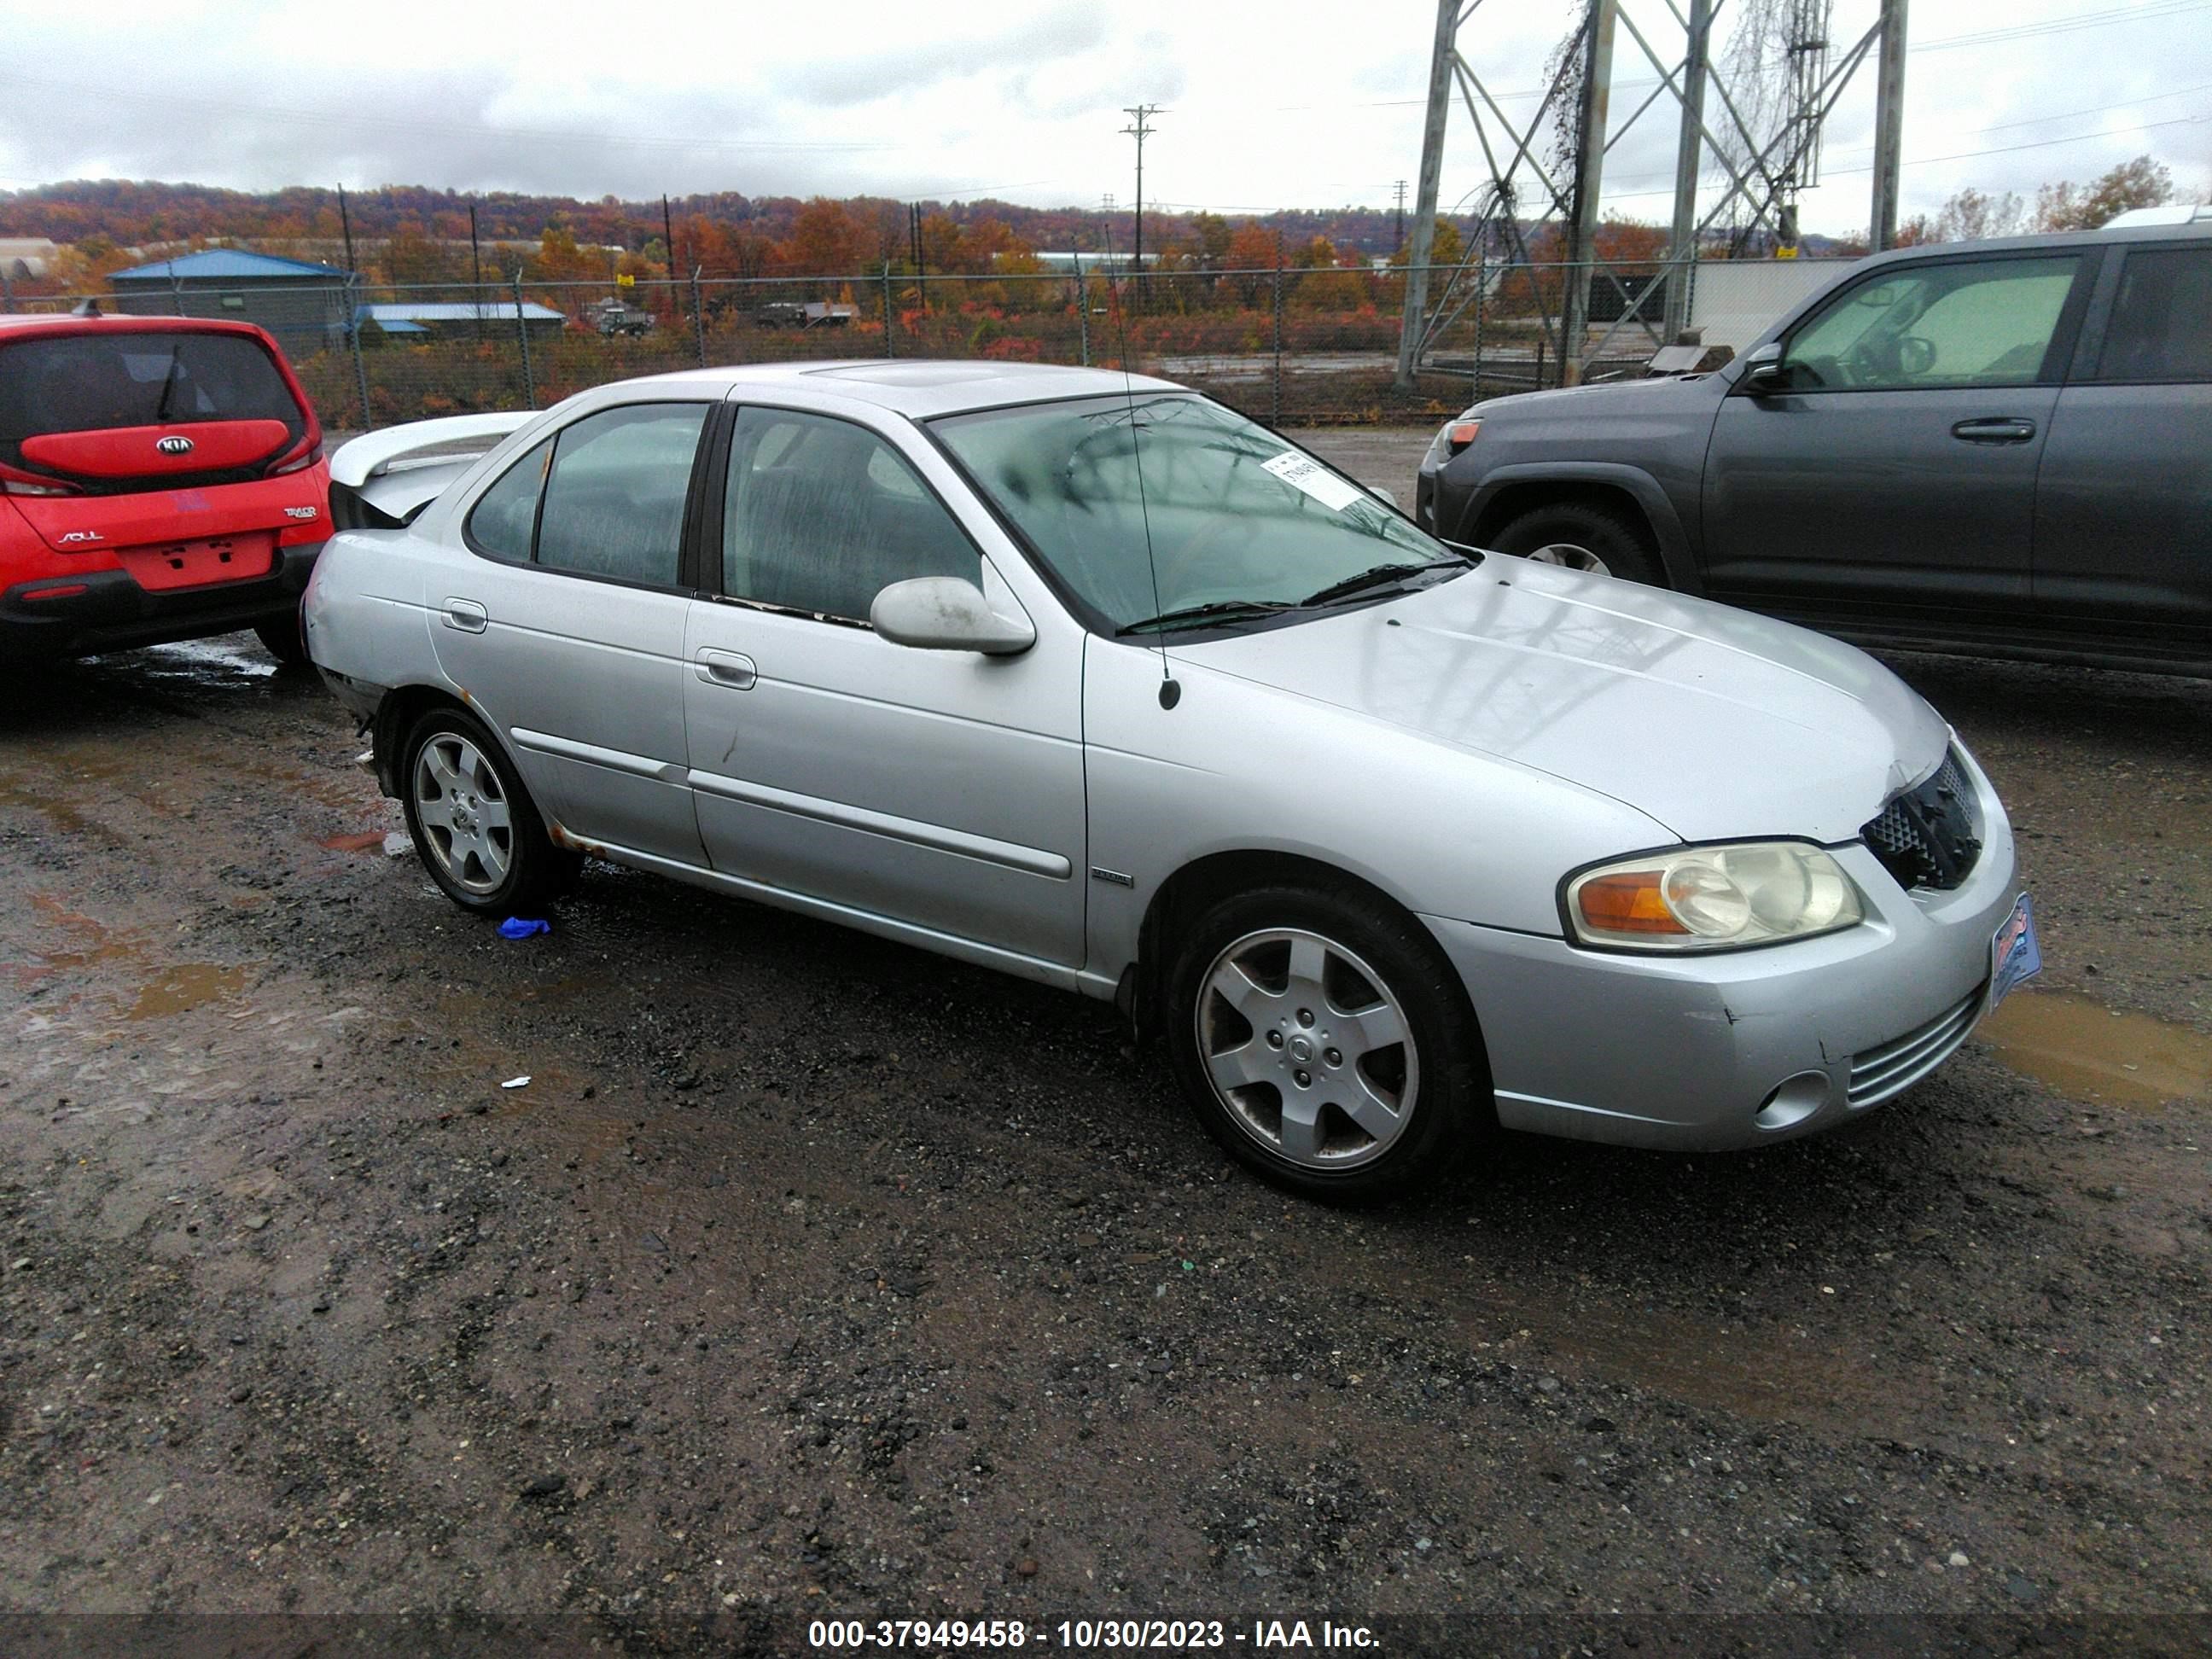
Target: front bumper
(106, 610)
(1712, 1052)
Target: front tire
(1581, 536)
(474, 825)
(1324, 1040)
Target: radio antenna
(1171, 689)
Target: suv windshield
(1239, 523)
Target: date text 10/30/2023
(1174, 1635)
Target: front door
(566, 630)
(1896, 471)
(941, 790)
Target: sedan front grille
(1929, 835)
(1890, 1068)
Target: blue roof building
(303, 304)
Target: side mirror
(1764, 370)
(943, 613)
(1383, 495)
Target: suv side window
(2161, 325)
(821, 515)
(1956, 323)
(615, 493)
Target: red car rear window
(94, 382)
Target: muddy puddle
(2090, 1052)
(189, 985)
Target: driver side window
(1964, 322)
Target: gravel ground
(807, 1274)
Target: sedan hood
(1715, 722)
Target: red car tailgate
(138, 452)
(293, 505)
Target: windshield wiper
(1194, 616)
(168, 386)
(1381, 575)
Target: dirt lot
(807, 1274)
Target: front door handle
(466, 615)
(1994, 431)
(725, 668)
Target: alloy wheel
(461, 803)
(1308, 1048)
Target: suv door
(1895, 469)
(2124, 505)
(566, 629)
(940, 790)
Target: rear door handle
(727, 668)
(466, 615)
(1994, 431)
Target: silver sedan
(1091, 680)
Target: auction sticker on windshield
(2014, 956)
(1303, 472)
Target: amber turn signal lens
(1462, 434)
(1630, 902)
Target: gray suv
(2002, 448)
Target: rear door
(566, 629)
(2124, 506)
(1897, 471)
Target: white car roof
(2174, 213)
(922, 387)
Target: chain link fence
(1291, 347)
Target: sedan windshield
(1166, 510)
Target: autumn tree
(2141, 183)
(825, 240)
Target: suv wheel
(1582, 537)
(279, 638)
(474, 825)
(1326, 1043)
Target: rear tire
(473, 823)
(1325, 1041)
(1581, 536)
(280, 636)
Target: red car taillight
(301, 455)
(14, 482)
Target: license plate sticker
(2014, 956)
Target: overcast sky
(1268, 103)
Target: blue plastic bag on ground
(517, 928)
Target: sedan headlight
(1712, 898)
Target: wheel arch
(395, 717)
(1510, 492)
(1186, 894)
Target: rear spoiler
(382, 480)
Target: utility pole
(1689, 158)
(345, 228)
(1442, 57)
(1888, 127)
(1589, 168)
(1140, 128)
(476, 271)
(1398, 220)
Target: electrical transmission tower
(1766, 147)
(1139, 128)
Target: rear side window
(96, 382)
(2161, 326)
(505, 516)
(613, 488)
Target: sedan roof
(923, 387)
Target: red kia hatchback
(161, 478)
